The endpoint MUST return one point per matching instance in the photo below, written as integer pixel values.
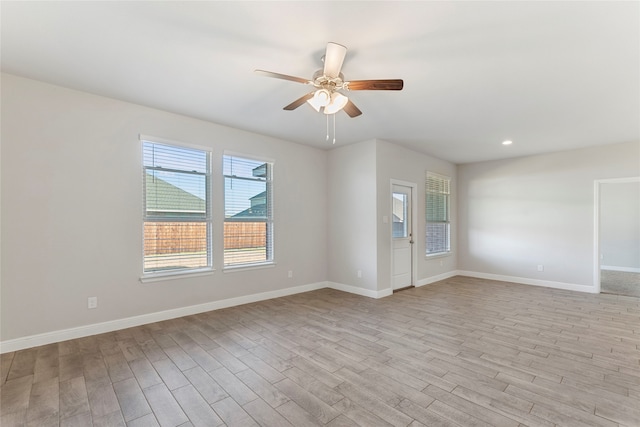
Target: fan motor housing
(323, 82)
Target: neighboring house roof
(260, 171)
(398, 210)
(258, 207)
(165, 197)
(255, 211)
(259, 195)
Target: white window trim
(148, 277)
(441, 254)
(255, 265)
(448, 252)
(248, 156)
(160, 140)
(244, 267)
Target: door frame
(596, 224)
(414, 215)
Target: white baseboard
(527, 281)
(360, 291)
(129, 322)
(437, 278)
(615, 268)
(114, 325)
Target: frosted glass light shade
(338, 101)
(320, 99)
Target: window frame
(446, 184)
(269, 222)
(157, 275)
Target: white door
(402, 236)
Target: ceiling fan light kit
(338, 101)
(328, 82)
(321, 98)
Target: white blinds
(248, 213)
(437, 213)
(177, 220)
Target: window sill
(440, 255)
(245, 267)
(175, 275)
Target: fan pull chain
(334, 128)
(327, 127)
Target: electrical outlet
(290, 275)
(359, 274)
(540, 267)
(92, 302)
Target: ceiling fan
(328, 83)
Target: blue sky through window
(170, 157)
(244, 179)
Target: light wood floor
(620, 283)
(464, 351)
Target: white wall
(352, 217)
(517, 214)
(72, 210)
(398, 163)
(620, 225)
(359, 196)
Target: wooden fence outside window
(178, 237)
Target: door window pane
(399, 216)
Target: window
(437, 214)
(248, 218)
(177, 212)
(400, 216)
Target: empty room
(319, 213)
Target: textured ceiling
(548, 75)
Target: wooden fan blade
(282, 76)
(298, 102)
(391, 84)
(333, 59)
(351, 109)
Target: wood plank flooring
(463, 352)
(620, 283)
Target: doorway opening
(617, 235)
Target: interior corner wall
(72, 210)
(519, 213)
(620, 226)
(399, 163)
(352, 217)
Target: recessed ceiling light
(507, 142)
